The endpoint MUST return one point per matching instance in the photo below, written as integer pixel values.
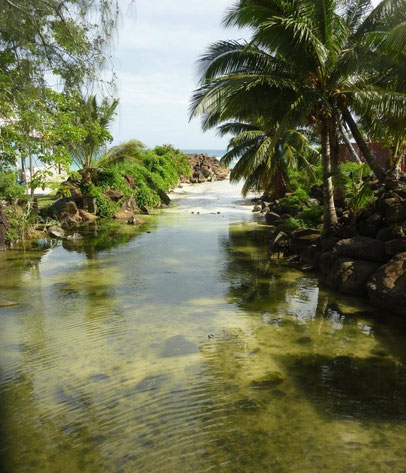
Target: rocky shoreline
(75, 207)
(365, 256)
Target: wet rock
(311, 256)
(394, 247)
(369, 227)
(134, 221)
(390, 233)
(8, 304)
(326, 262)
(360, 247)
(271, 218)
(90, 204)
(179, 346)
(65, 205)
(74, 237)
(56, 232)
(87, 216)
(394, 210)
(387, 286)
(349, 276)
(303, 238)
(269, 381)
(151, 383)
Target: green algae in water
(106, 364)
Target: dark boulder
(387, 286)
(271, 218)
(303, 238)
(311, 255)
(370, 226)
(114, 194)
(350, 276)
(360, 247)
(393, 247)
(326, 262)
(390, 233)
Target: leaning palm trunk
(369, 158)
(354, 155)
(330, 215)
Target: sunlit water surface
(107, 365)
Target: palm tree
(92, 120)
(122, 153)
(263, 166)
(310, 63)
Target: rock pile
(365, 257)
(206, 168)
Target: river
(181, 347)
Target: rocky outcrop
(349, 276)
(361, 248)
(387, 286)
(206, 168)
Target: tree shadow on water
(363, 389)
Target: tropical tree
(263, 165)
(310, 63)
(84, 127)
(126, 152)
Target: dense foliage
(154, 173)
(321, 68)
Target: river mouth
(181, 347)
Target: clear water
(107, 366)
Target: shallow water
(107, 366)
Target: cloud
(159, 44)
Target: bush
(9, 188)
(289, 225)
(106, 207)
(311, 217)
(295, 202)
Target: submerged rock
(269, 381)
(179, 346)
(56, 232)
(247, 404)
(8, 304)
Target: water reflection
(106, 364)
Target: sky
(158, 45)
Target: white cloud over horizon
(155, 60)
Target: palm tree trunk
(330, 215)
(369, 158)
(354, 155)
(339, 194)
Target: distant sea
(217, 153)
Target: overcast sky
(155, 60)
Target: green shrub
(289, 225)
(295, 202)
(311, 217)
(9, 188)
(20, 223)
(105, 206)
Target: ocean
(217, 153)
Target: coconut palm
(122, 153)
(92, 120)
(310, 63)
(263, 166)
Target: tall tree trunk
(369, 158)
(31, 172)
(354, 155)
(339, 194)
(330, 215)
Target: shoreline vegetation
(119, 190)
